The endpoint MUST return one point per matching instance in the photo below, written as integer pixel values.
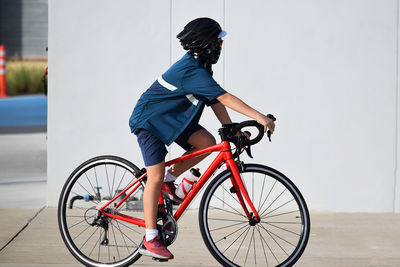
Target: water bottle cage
(192, 183)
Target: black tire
(87, 188)
(278, 240)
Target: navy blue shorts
(154, 151)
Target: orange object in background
(3, 71)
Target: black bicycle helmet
(201, 37)
(198, 33)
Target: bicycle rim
(98, 240)
(278, 240)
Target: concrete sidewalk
(336, 239)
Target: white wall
(326, 69)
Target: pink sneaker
(168, 189)
(155, 248)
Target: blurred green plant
(25, 77)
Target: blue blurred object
(23, 114)
(86, 197)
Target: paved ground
(23, 158)
(337, 239)
(23, 170)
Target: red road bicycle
(249, 215)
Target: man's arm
(238, 105)
(221, 113)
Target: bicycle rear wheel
(92, 238)
(278, 239)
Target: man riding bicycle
(170, 110)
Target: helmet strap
(203, 58)
(208, 55)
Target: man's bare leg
(155, 179)
(199, 140)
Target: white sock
(151, 234)
(169, 177)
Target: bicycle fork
(240, 190)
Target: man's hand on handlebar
(267, 122)
(242, 138)
(245, 133)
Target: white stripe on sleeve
(192, 99)
(165, 84)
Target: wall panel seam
(396, 112)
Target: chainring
(168, 228)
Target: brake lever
(248, 151)
(269, 132)
(247, 148)
(240, 149)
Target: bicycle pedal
(159, 260)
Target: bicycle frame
(224, 156)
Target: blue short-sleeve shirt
(174, 99)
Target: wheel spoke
(283, 229)
(252, 188)
(98, 256)
(95, 244)
(262, 244)
(90, 184)
(227, 220)
(248, 227)
(229, 206)
(271, 233)
(84, 220)
(123, 177)
(112, 186)
(235, 231)
(280, 206)
(248, 249)
(286, 222)
(270, 250)
(268, 194)
(115, 240)
(108, 180)
(123, 224)
(254, 247)
(280, 214)
(241, 243)
(122, 235)
(235, 213)
(84, 188)
(88, 238)
(84, 230)
(97, 180)
(224, 227)
(273, 201)
(108, 252)
(262, 190)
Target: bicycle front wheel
(278, 239)
(93, 238)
